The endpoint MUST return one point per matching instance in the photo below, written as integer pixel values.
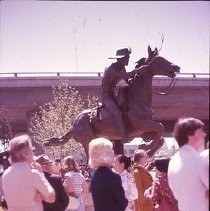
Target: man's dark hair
(186, 127)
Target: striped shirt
(77, 179)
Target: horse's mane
(141, 62)
(145, 61)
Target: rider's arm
(122, 74)
(141, 70)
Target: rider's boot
(121, 129)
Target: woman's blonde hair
(100, 153)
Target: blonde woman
(106, 186)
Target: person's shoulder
(68, 174)
(174, 158)
(114, 175)
(6, 171)
(56, 177)
(137, 169)
(106, 174)
(115, 179)
(204, 158)
(205, 153)
(78, 174)
(113, 66)
(129, 175)
(81, 175)
(36, 173)
(104, 170)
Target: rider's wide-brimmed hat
(121, 53)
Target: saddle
(100, 112)
(95, 113)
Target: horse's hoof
(142, 146)
(52, 142)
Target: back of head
(18, 148)
(57, 160)
(138, 154)
(100, 153)
(45, 162)
(162, 164)
(70, 164)
(43, 159)
(125, 160)
(184, 128)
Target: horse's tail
(65, 138)
(58, 141)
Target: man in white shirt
(23, 183)
(205, 162)
(186, 175)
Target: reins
(169, 88)
(148, 61)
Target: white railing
(82, 74)
(51, 74)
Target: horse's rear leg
(85, 139)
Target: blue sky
(76, 36)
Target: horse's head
(161, 66)
(151, 55)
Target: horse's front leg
(152, 146)
(152, 133)
(150, 129)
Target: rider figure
(112, 75)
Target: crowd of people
(115, 182)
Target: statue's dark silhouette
(135, 102)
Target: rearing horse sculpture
(135, 101)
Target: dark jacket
(61, 197)
(107, 191)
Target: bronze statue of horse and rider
(135, 101)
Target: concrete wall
(22, 96)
